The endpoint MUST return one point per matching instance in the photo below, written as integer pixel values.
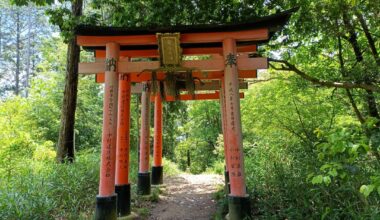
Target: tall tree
(66, 145)
(22, 31)
(334, 44)
(18, 54)
(66, 20)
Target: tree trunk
(29, 53)
(65, 148)
(1, 36)
(344, 74)
(352, 39)
(372, 106)
(188, 159)
(368, 35)
(370, 98)
(18, 53)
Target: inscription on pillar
(232, 110)
(111, 64)
(234, 157)
(146, 123)
(110, 137)
(231, 60)
(124, 108)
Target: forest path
(187, 196)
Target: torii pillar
(238, 199)
(157, 168)
(106, 199)
(143, 180)
(222, 101)
(122, 185)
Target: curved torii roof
(194, 40)
(251, 32)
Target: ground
(187, 196)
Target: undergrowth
(46, 190)
(43, 189)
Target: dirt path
(187, 197)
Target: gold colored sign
(169, 48)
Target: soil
(187, 196)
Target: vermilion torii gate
(157, 58)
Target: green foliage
(151, 13)
(89, 114)
(16, 138)
(174, 115)
(32, 185)
(306, 157)
(170, 168)
(37, 2)
(46, 190)
(346, 156)
(200, 134)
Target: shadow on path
(187, 197)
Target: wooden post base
(227, 182)
(239, 208)
(123, 199)
(143, 184)
(157, 175)
(106, 207)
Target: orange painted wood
(143, 77)
(137, 67)
(94, 41)
(222, 101)
(140, 53)
(91, 68)
(144, 132)
(99, 78)
(201, 51)
(185, 51)
(233, 128)
(157, 146)
(102, 53)
(245, 48)
(212, 65)
(252, 63)
(108, 151)
(247, 35)
(123, 130)
(247, 74)
(205, 65)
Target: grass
(47, 190)
(222, 203)
(170, 168)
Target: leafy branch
(286, 66)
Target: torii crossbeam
(183, 59)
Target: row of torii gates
(155, 59)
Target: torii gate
(121, 59)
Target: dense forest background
(310, 123)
